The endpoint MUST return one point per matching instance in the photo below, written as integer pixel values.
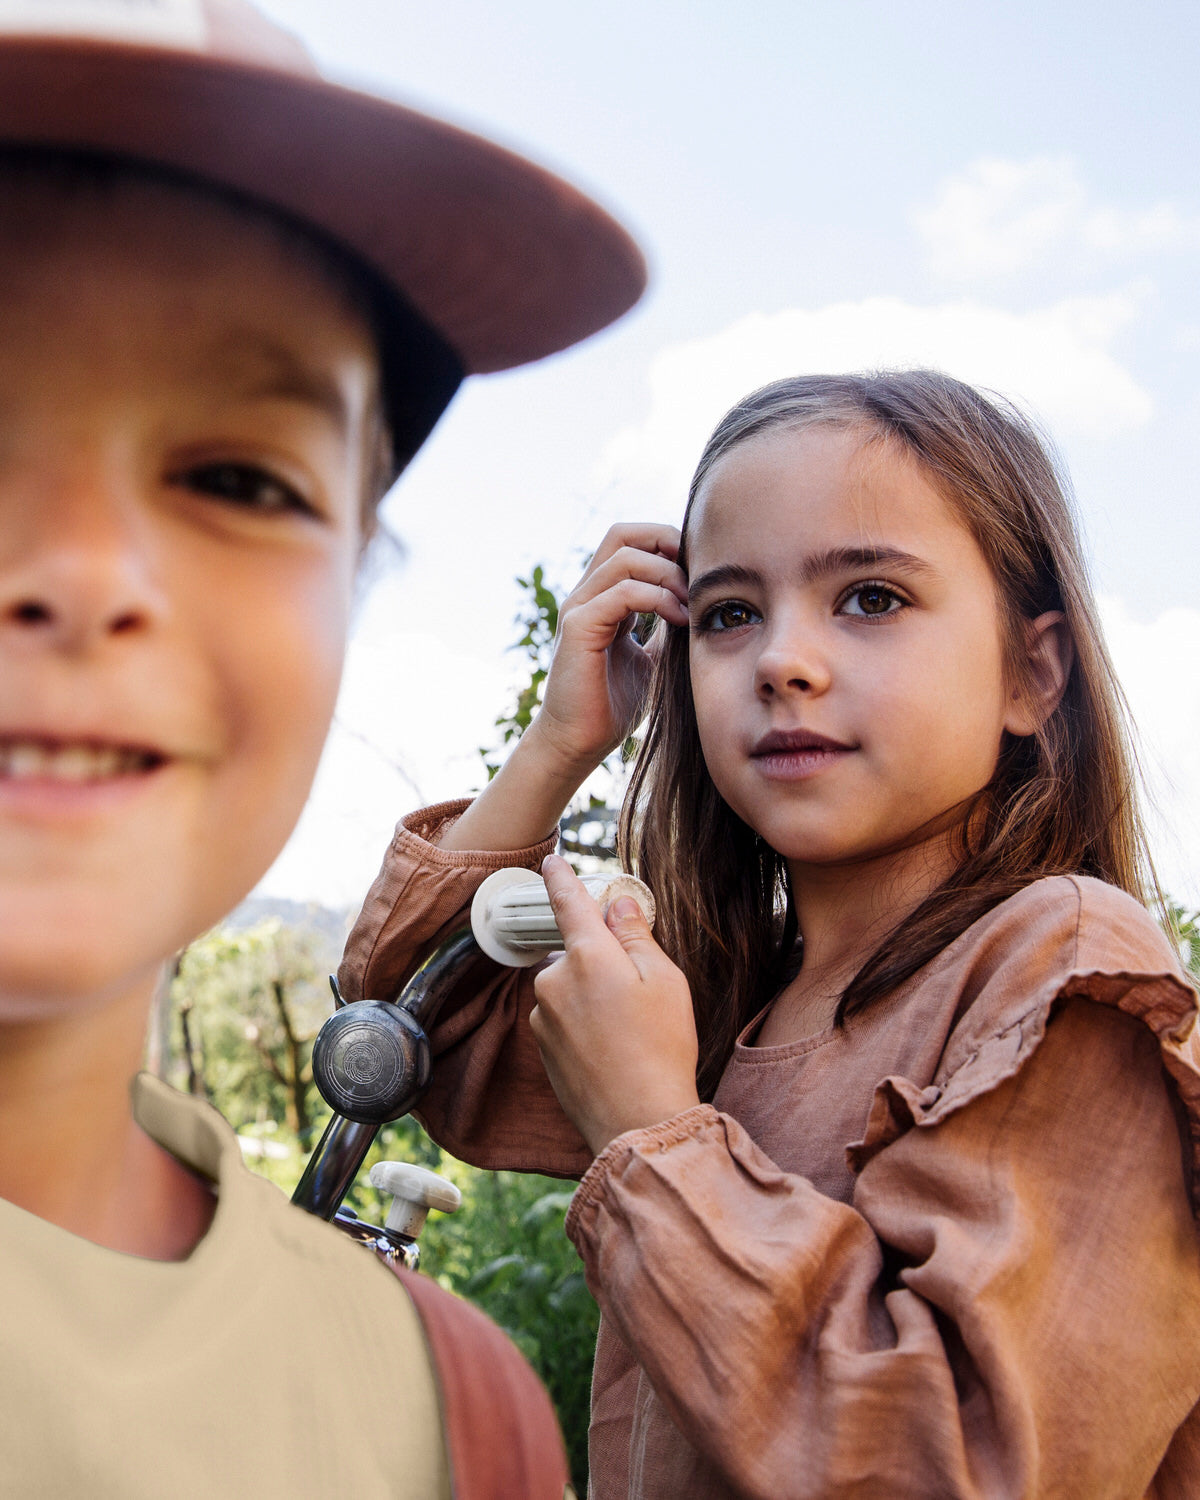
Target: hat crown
(503, 260)
(232, 30)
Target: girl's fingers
(575, 911)
(643, 536)
(629, 562)
(602, 620)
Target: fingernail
(624, 907)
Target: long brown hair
(1061, 801)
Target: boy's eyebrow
(819, 565)
(262, 368)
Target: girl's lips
(792, 755)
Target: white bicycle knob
(513, 922)
(415, 1191)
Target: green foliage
(537, 620)
(246, 1006)
(1185, 929)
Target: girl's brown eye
(729, 615)
(871, 599)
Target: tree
(247, 1007)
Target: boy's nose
(75, 570)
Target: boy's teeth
(28, 760)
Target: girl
(889, 1131)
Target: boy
(233, 301)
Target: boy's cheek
(251, 698)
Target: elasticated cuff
(415, 835)
(684, 1126)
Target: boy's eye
(243, 484)
(728, 615)
(871, 600)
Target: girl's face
(846, 653)
(184, 408)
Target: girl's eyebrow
(819, 565)
(722, 577)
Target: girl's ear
(1050, 652)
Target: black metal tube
(340, 1152)
(425, 990)
(333, 1166)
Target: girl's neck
(72, 1153)
(844, 913)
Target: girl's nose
(76, 569)
(791, 661)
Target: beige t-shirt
(278, 1360)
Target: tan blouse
(946, 1251)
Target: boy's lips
(72, 761)
(56, 780)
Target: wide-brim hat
(503, 259)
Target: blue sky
(1008, 191)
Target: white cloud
(1057, 361)
(1156, 662)
(998, 217)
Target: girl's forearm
(523, 802)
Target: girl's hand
(614, 1017)
(599, 673)
(594, 693)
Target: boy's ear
(1050, 653)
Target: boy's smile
(846, 657)
(185, 410)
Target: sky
(1007, 192)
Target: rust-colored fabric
(500, 1427)
(948, 1250)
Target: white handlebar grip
(512, 920)
(415, 1191)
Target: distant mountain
(327, 925)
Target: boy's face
(184, 412)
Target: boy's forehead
(156, 229)
(205, 293)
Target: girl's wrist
(520, 807)
(564, 768)
(600, 1133)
